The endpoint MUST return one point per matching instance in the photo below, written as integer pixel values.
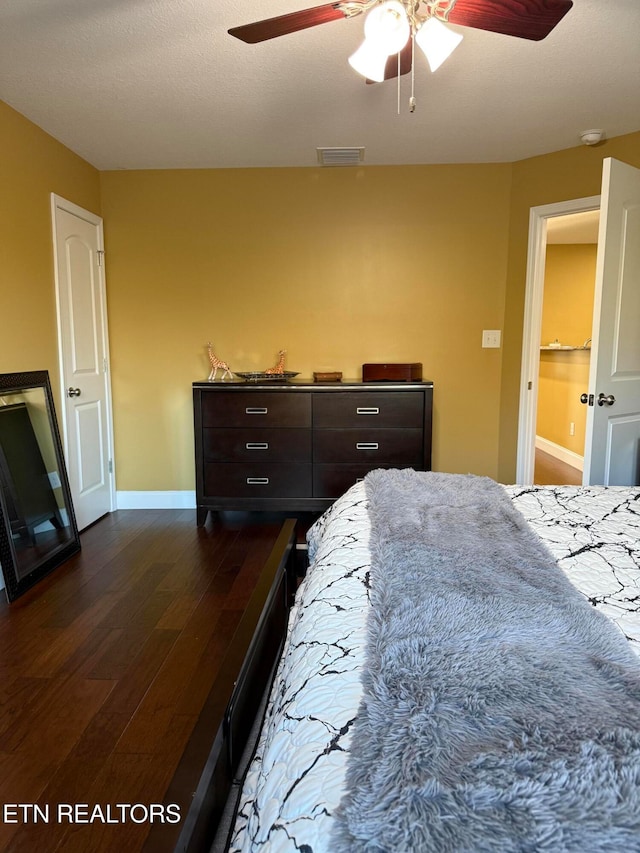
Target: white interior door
(612, 450)
(84, 360)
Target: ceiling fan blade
(282, 25)
(391, 68)
(527, 19)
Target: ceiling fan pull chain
(398, 83)
(412, 100)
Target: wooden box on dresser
(298, 445)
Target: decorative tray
(261, 376)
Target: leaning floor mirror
(38, 528)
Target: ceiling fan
(392, 26)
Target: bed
(458, 704)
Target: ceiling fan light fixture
(369, 61)
(437, 42)
(387, 27)
(386, 31)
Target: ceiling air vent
(340, 156)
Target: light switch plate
(491, 338)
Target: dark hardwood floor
(106, 665)
(550, 471)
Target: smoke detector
(591, 137)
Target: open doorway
(612, 445)
(551, 224)
(565, 347)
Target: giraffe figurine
(217, 364)
(279, 367)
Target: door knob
(73, 392)
(606, 400)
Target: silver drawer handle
(366, 445)
(368, 410)
(257, 445)
(257, 481)
(256, 410)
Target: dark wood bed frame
(230, 710)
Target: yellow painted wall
(340, 266)
(32, 166)
(567, 316)
(337, 266)
(569, 282)
(562, 377)
(561, 176)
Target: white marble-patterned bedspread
(295, 781)
(594, 534)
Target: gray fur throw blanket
(501, 712)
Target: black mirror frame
(15, 585)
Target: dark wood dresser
(299, 445)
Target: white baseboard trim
(156, 500)
(559, 452)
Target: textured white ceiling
(143, 84)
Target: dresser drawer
(256, 445)
(398, 447)
(256, 409)
(331, 480)
(368, 409)
(257, 480)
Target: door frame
(60, 203)
(534, 294)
